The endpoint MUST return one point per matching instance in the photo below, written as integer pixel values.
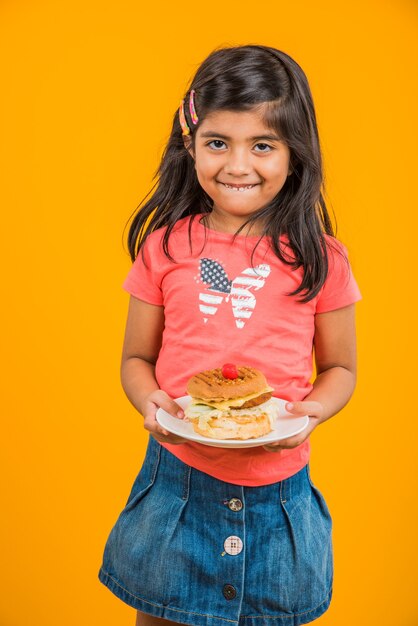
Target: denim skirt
(193, 549)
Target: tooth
(239, 188)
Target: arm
(143, 336)
(335, 358)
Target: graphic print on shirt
(239, 291)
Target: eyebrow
(211, 133)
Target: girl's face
(240, 163)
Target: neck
(230, 224)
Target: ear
(188, 145)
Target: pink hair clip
(192, 109)
(184, 126)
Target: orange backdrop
(88, 94)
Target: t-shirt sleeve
(340, 288)
(144, 278)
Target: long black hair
(240, 79)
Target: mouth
(240, 188)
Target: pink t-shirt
(222, 308)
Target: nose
(238, 163)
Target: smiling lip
(238, 185)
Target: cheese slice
(221, 405)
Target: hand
(314, 410)
(155, 400)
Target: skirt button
(229, 592)
(235, 504)
(233, 545)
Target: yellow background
(89, 90)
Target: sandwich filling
(222, 404)
(230, 418)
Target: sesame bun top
(212, 385)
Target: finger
(173, 439)
(151, 424)
(304, 408)
(292, 442)
(272, 448)
(176, 440)
(297, 440)
(172, 407)
(160, 433)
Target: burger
(232, 402)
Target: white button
(233, 545)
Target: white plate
(286, 425)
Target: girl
(234, 261)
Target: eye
(266, 146)
(215, 141)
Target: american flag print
(218, 288)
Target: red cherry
(229, 370)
